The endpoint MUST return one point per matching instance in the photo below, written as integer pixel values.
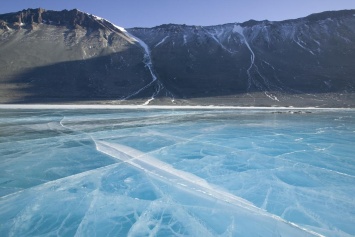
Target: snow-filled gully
(148, 63)
(238, 29)
(298, 42)
(213, 36)
(162, 41)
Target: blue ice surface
(177, 173)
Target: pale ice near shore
(176, 172)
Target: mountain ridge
(250, 63)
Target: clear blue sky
(149, 13)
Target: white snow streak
(147, 57)
(271, 96)
(269, 64)
(138, 91)
(97, 17)
(267, 83)
(162, 41)
(219, 42)
(317, 42)
(303, 47)
(239, 29)
(185, 39)
(147, 61)
(157, 90)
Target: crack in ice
(184, 180)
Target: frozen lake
(177, 172)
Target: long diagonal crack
(186, 181)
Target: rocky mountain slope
(71, 56)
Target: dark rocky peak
(252, 23)
(67, 18)
(320, 17)
(18, 19)
(177, 28)
(330, 14)
(170, 28)
(313, 17)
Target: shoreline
(147, 107)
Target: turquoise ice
(177, 173)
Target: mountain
(71, 56)
(67, 55)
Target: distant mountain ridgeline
(71, 56)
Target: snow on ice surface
(186, 173)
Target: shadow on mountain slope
(74, 57)
(100, 78)
(108, 78)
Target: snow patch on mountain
(298, 42)
(147, 61)
(218, 41)
(147, 57)
(162, 41)
(238, 29)
(185, 39)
